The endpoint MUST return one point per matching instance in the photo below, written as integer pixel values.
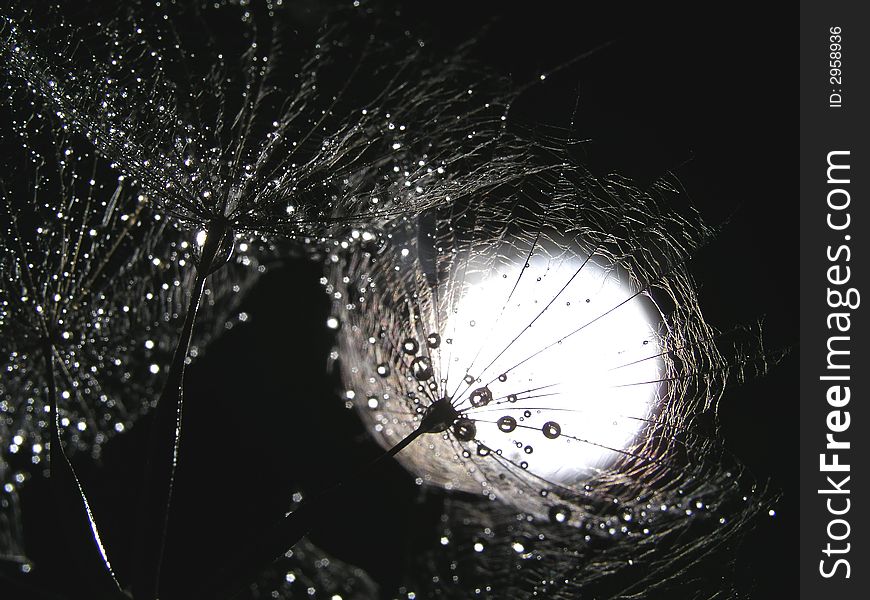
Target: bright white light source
(567, 353)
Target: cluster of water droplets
(135, 140)
(94, 280)
(682, 549)
(308, 571)
(559, 320)
(469, 267)
(157, 136)
(215, 128)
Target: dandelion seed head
(573, 343)
(99, 290)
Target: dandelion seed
(79, 291)
(564, 410)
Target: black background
(823, 130)
(708, 94)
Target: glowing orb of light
(553, 361)
(568, 351)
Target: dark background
(707, 94)
(824, 129)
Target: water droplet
(383, 370)
(480, 397)
(469, 379)
(373, 402)
(502, 377)
(524, 465)
(528, 449)
(512, 398)
(559, 514)
(410, 346)
(464, 430)
(527, 413)
(421, 367)
(507, 424)
(552, 430)
(433, 340)
(483, 450)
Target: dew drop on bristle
(464, 430)
(559, 514)
(410, 346)
(507, 424)
(480, 397)
(433, 340)
(421, 367)
(383, 370)
(552, 430)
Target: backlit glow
(554, 343)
